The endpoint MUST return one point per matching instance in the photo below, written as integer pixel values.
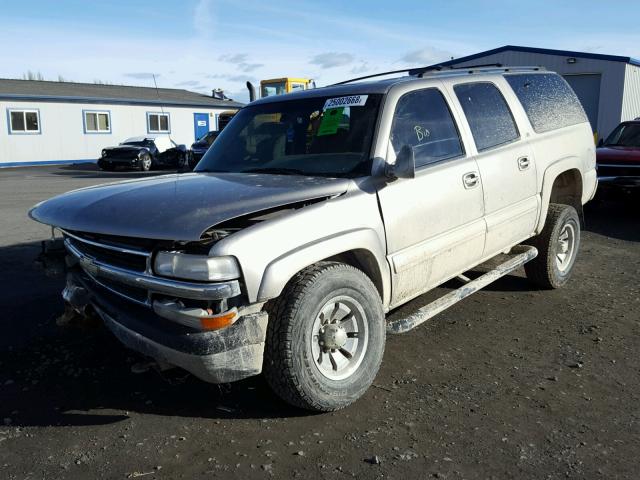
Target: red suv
(618, 157)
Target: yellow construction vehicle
(279, 86)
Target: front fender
(283, 268)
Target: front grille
(122, 155)
(121, 265)
(136, 263)
(618, 171)
(125, 253)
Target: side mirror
(600, 142)
(405, 166)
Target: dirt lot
(510, 383)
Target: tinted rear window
(488, 114)
(548, 99)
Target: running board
(520, 255)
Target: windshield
(298, 137)
(271, 89)
(208, 137)
(141, 143)
(625, 135)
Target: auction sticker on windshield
(330, 122)
(350, 101)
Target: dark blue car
(200, 147)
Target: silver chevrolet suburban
(316, 213)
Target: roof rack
(487, 67)
(440, 69)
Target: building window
(24, 121)
(158, 123)
(97, 121)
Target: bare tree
(32, 75)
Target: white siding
(631, 99)
(62, 136)
(611, 86)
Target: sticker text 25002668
(350, 101)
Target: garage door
(587, 88)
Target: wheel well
(567, 190)
(362, 260)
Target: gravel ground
(510, 383)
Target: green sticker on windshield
(330, 121)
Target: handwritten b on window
(421, 133)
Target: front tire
(145, 162)
(325, 338)
(557, 245)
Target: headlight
(196, 267)
(104, 153)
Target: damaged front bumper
(218, 356)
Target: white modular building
(607, 85)
(44, 122)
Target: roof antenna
(160, 101)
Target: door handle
(523, 163)
(470, 179)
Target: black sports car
(144, 153)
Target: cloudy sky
(204, 44)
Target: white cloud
(362, 67)
(426, 56)
(204, 19)
(332, 59)
(188, 83)
(233, 58)
(142, 75)
(249, 67)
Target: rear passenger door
(506, 164)
(434, 222)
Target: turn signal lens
(219, 321)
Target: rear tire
(557, 245)
(325, 338)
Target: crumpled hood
(178, 207)
(125, 147)
(618, 155)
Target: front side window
(548, 100)
(422, 120)
(158, 123)
(320, 136)
(487, 113)
(24, 121)
(97, 122)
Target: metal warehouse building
(608, 86)
(62, 122)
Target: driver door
(434, 222)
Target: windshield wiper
(276, 171)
